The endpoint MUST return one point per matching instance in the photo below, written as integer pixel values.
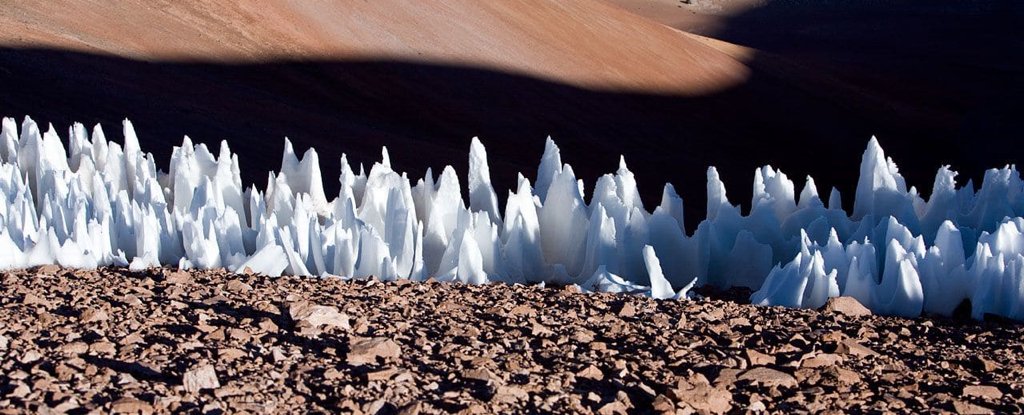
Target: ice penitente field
(898, 254)
(356, 220)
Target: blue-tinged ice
(90, 202)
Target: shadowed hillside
(425, 97)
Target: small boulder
(237, 287)
(847, 306)
(309, 317)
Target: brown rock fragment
(965, 408)
(983, 363)
(768, 377)
(49, 269)
(131, 406)
(698, 395)
(230, 354)
(757, 358)
(590, 372)
(200, 377)
(663, 405)
(237, 287)
(309, 317)
(29, 357)
(845, 376)
(821, 360)
(178, 277)
(539, 330)
(93, 315)
(853, 348)
(613, 408)
(366, 350)
(32, 299)
(847, 306)
(627, 310)
(103, 348)
(483, 375)
(983, 391)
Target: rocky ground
(166, 341)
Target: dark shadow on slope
(947, 73)
(426, 115)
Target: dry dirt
(208, 342)
(580, 42)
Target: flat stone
(853, 348)
(821, 360)
(367, 350)
(230, 354)
(131, 406)
(32, 299)
(49, 269)
(482, 375)
(983, 391)
(965, 408)
(757, 358)
(769, 377)
(200, 377)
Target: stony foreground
(162, 341)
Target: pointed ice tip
(669, 189)
(385, 158)
(833, 236)
(712, 173)
(622, 163)
(873, 144)
(288, 148)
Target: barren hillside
(580, 42)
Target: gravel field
(160, 341)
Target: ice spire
(880, 184)
(481, 194)
(550, 166)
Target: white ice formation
(100, 203)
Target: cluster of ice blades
(103, 204)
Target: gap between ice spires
(99, 203)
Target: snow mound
(98, 203)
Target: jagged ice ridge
(105, 204)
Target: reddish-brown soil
(580, 42)
(167, 341)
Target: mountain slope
(585, 43)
